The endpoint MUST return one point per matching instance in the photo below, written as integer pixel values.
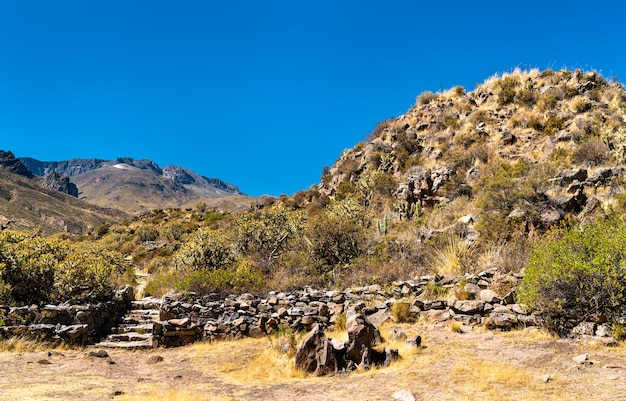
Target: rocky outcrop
(62, 184)
(64, 168)
(321, 356)
(10, 163)
(317, 355)
(185, 176)
(423, 186)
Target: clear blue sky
(263, 94)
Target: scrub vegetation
(524, 169)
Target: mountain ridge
(134, 185)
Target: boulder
(468, 307)
(502, 321)
(362, 335)
(54, 181)
(316, 354)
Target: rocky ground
(466, 364)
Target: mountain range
(78, 195)
(134, 185)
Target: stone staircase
(136, 328)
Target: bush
(244, 278)
(37, 270)
(207, 250)
(401, 311)
(578, 272)
(147, 232)
(426, 98)
(507, 87)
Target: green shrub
(581, 105)
(37, 270)
(244, 278)
(547, 101)
(207, 250)
(335, 238)
(579, 272)
(507, 87)
(147, 232)
(340, 321)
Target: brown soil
(477, 364)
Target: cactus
(409, 210)
(382, 226)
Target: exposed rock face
(177, 174)
(64, 168)
(187, 177)
(62, 184)
(143, 164)
(10, 163)
(424, 185)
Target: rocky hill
(135, 185)
(515, 156)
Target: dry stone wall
(66, 322)
(185, 319)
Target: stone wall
(66, 322)
(188, 319)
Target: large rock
(362, 335)
(316, 354)
(502, 321)
(468, 307)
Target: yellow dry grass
(479, 364)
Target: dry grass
(455, 257)
(479, 364)
(24, 344)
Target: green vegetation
(461, 183)
(579, 270)
(37, 270)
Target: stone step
(147, 313)
(129, 337)
(133, 328)
(129, 345)
(141, 316)
(146, 303)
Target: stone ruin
(177, 319)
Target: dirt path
(524, 365)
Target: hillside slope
(26, 205)
(520, 153)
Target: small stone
(581, 358)
(44, 362)
(403, 395)
(415, 341)
(98, 354)
(545, 378)
(155, 359)
(397, 334)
